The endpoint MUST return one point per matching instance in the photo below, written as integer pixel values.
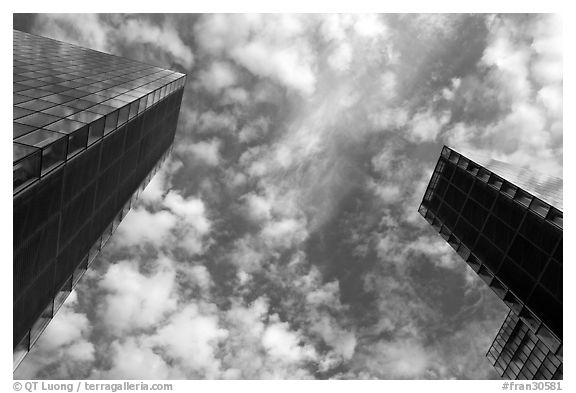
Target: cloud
(425, 126)
(284, 241)
(161, 182)
(341, 57)
(64, 348)
(284, 65)
(207, 152)
(283, 344)
(344, 342)
(133, 359)
(68, 329)
(284, 233)
(218, 76)
(212, 122)
(86, 30)
(164, 37)
(111, 33)
(133, 300)
(141, 226)
(191, 338)
(257, 208)
(253, 131)
(191, 209)
(401, 359)
(278, 52)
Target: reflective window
(488, 253)
(526, 255)
(454, 198)
(58, 98)
(552, 279)
(123, 115)
(96, 130)
(102, 109)
(498, 233)
(38, 120)
(558, 253)
(448, 215)
(36, 105)
(466, 232)
(462, 180)
(60, 110)
(21, 129)
(550, 310)
(85, 116)
(539, 232)
(483, 194)
(474, 214)
(53, 147)
(20, 112)
(26, 165)
(495, 181)
(523, 197)
(485, 274)
(539, 207)
(508, 211)
(515, 278)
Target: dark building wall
(517, 353)
(511, 238)
(65, 213)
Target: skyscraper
(90, 130)
(506, 223)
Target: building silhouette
(90, 130)
(506, 223)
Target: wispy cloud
(283, 240)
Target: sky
(281, 240)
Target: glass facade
(518, 353)
(510, 235)
(90, 130)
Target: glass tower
(506, 223)
(90, 130)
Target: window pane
(54, 154)
(526, 255)
(96, 130)
(27, 169)
(39, 138)
(78, 141)
(21, 129)
(111, 122)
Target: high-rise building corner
(506, 222)
(90, 130)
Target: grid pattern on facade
(67, 98)
(510, 238)
(545, 187)
(517, 353)
(32, 335)
(80, 192)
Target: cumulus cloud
(207, 152)
(524, 64)
(110, 33)
(192, 338)
(133, 300)
(141, 226)
(425, 126)
(278, 52)
(218, 76)
(133, 360)
(212, 122)
(192, 210)
(295, 250)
